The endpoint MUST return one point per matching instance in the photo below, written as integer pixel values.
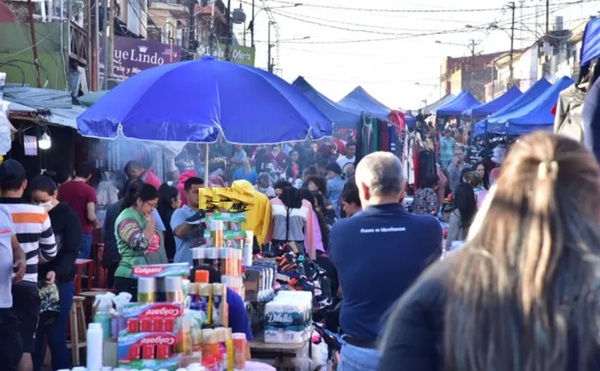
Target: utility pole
(97, 44)
(229, 32)
(36, 61)
(547, 17)
(105, 46)
(472, 46)
(513, 7)
(192, 30)
(252, 26)
(269, 63)
(110, 49)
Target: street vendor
(139, 241)
(187, 221)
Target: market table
(283, 354)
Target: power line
(376, 10)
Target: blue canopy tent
(429, 109)
(590, 49)
(358, 100)
(494, 106)
(538, 114)
(342, 118)
(462, 102)
(496, 123)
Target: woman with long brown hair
(523, 293)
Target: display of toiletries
(288, 317)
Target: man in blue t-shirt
(378, 254)
(186, 222)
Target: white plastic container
(94, 347)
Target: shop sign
(132, 56)
(239, 54)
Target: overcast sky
(333, 53)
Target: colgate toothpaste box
(161, 270)
(157, 350)
(154, 310)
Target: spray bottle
(104, 312)
(118, 321)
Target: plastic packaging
(104, 312)
(95, 341)
(239, 350)
(119, 322)
(248, 246)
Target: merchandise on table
(288, 317)
(259, 280)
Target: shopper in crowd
(320, 228)
(522, 293)
(348, 170)
(34, 233)
(384, 242)
(61, 270)
(462, 137)
(81, 196)
(246, 172)
(280, 186)
(483, 172)
(477, 183)
(426, 198)
(447, 147)
(292, 221)
(135, 170)
(349, 156)
(351, 204)
(319, 184)
(12, 270)
(238, 158)
(307, 173)
(464, 209)
(276, 155)
(264, 185)
(335, 186)
(455, 169)
(169, 201)
(138, 239)
(294, 168)
(187, 222)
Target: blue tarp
(494, 106)
(590, 48)
(538, 114)
(358, 100)
(480, 128)
(342, 118)
(462, 102)
(496, 123)
(429, 109)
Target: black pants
(11, 348)
(129, 285)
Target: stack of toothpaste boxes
(288, 317)
(156, 334)
(166, 328)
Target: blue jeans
(55, 334)
(358, 359)
(86, 246)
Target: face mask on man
(46, 205)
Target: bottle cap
(146, 284)
(94, 325)
(173, 284)
(201, 276)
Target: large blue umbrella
(195, 101)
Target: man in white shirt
(349, 156)
(12, 269)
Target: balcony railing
(78, 50)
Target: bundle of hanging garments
(240, 197)
(377, 135)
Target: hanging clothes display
(376, 135)
(568, 120)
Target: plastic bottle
(104, 312)
(118, 321)
(94, 347)
(248, 246)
